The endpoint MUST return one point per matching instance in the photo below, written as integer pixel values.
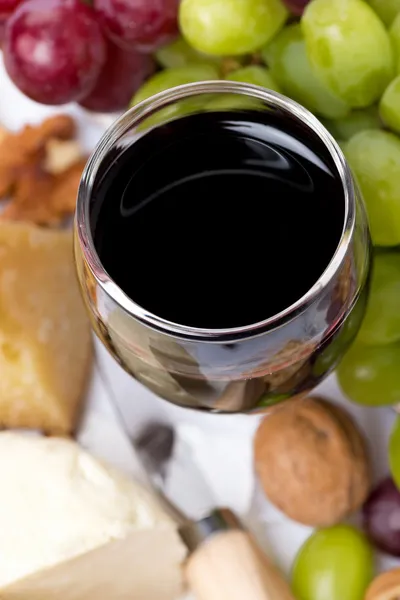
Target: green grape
(179, 54)
(356, 121)
(370, 375)
(390, 105)
(230, 27)
(381, 324)
(286, 55)
(394, 33)
(170, 78)
(342, 144)
(333, 564)
(375, 159)
(386, 9)
(394, 452)
(167, 79)
(255, 75)
(349, 48)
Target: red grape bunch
(59, 51)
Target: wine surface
(219, 220)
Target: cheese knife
(224, 560)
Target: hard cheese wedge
(45, 339)
(144, 566)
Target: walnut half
(385, 587)
(40, 171)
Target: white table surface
(222, 445)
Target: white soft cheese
(57, 501)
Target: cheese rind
(147, 565)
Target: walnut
(3, 134)
(42, 198)
(40, 171)
(27, 147)
(312, 461)
(61, 155)
(385, 586)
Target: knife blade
(174, 471)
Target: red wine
(219, 220)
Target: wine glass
(238, 369)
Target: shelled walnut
(40, 171)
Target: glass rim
(148, 107)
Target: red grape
(121, 76)
(7, 8)
(381, 515)
(54, 50)
(142, 25)
(296, 6)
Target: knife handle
(229, 564)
